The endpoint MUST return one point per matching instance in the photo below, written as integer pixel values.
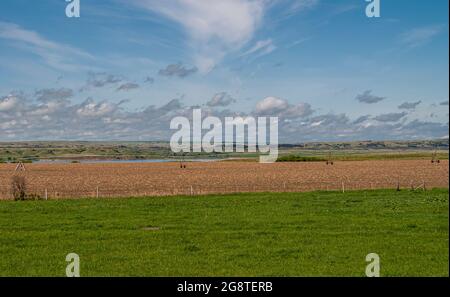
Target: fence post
(343, 187)
(46, 194)
(192, 190)
(97, 192)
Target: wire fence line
(107, 191)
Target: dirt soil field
(139, 179)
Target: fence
(102, 191)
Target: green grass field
(265, 234)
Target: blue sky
(125, 67)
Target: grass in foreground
(265, 234)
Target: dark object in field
(18, 187)
(329, 161)
(434, 158)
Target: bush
(33, 196)
(295, 158)
(26, 161)
(19, 187)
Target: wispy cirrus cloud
(57, 55)
(421, 35)
(214, 28)
(261, 48)
(298, 5)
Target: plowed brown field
(136, 179)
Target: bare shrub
(19, 187)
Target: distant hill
(440, 144)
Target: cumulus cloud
(274, 106)
(101, 79)
(368, 98)
(420, 129)
(45, 95)
(390, 117)
(409, 105)
(298, 110)
(91, 109)
(24, 118)
(8, 103)
(361, 119)
(271, 105)
(149, 80)
(338, 127)
(127, 87)
(220, 99)
(177, 70)
(172, 105)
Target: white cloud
(261, 47)
(298, 5)
(315, 124)
(220, 99)
(56, 55)
(274, 106)
(56, 118)
(92, 109)
(214, 27)
(420, 36)
(8, 103)
(271, 105)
